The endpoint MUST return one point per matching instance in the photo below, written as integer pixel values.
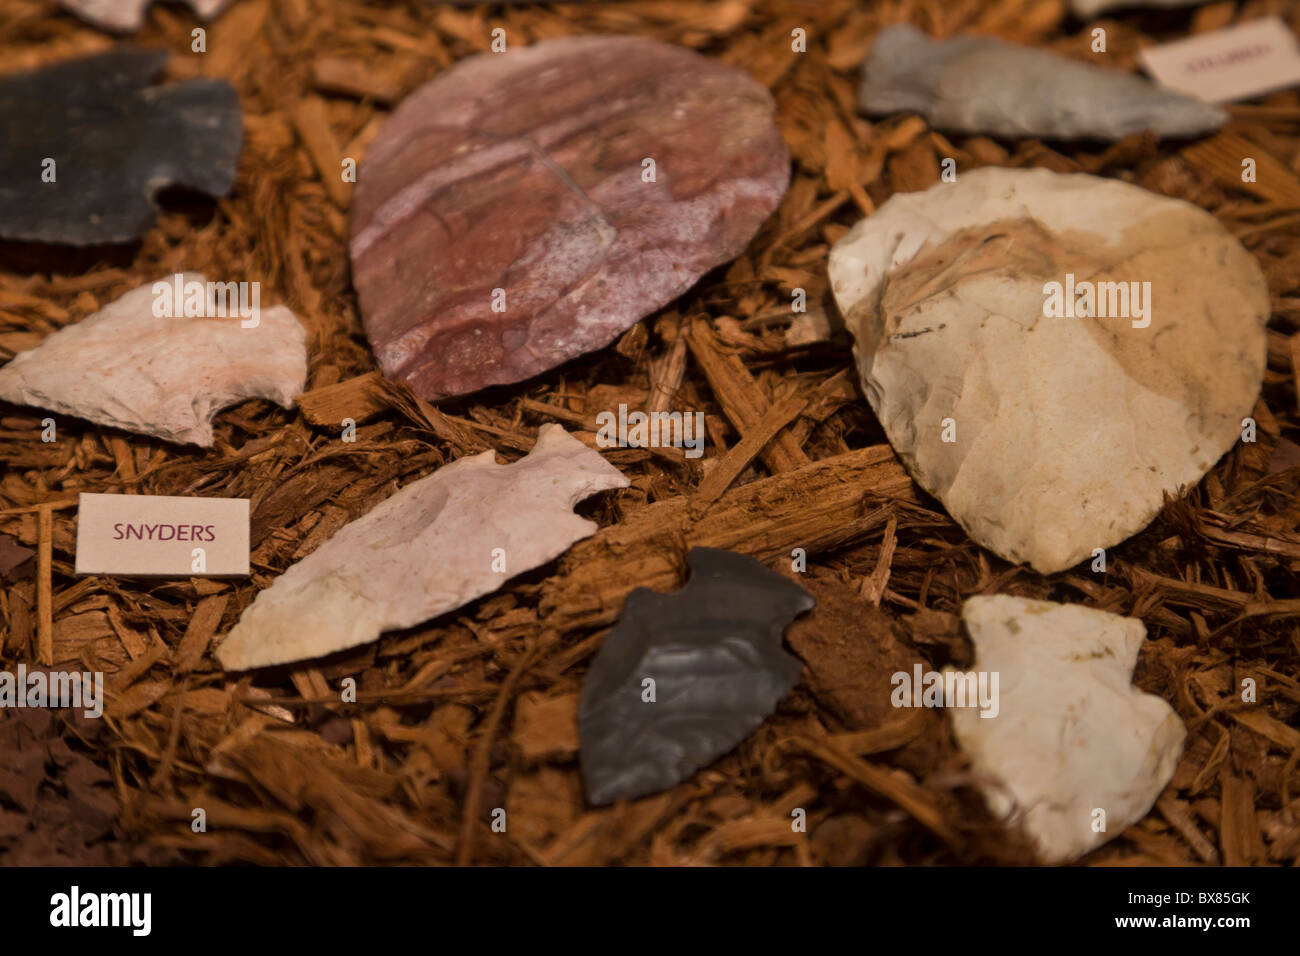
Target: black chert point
(115, 140)
(713, 649)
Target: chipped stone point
(977, 84)
(712, 653)
(435, 545)
(524, 208)
(1072, 736)
(1048, 437)
(166, 376)
(99, 141)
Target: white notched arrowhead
(1072, 735)
(428, 549)
(163, 376)
(1049, 437)
(977, 84)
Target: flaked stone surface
(93, 142)
(127, 16)
(525, 172)
(435, 545)
(977, 84)
(168, 377)
(1072, 736)
(713, 656)
(1066, 431)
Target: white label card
(162, 536)
(1235, 63)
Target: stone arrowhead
(1071, 736)
(1049, 437)
(128, 368)
(977, 84)
(524, 208)
(114, 141)
(713, 653)
(437, 544)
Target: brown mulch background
(475, 711)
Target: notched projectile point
(713, 650)
(166, 376)
(1087, 347)
(1072, 734)
(94, 142)
(16, 562)
(424, 551)
(977, 84)
(127, 16)
(503, 221)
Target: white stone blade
(1048, 438)
(1071, 736)
(164, 376)
(435, 545)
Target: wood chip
(311, 120)
(744, 451)
(360, 399)
(739, 395)
(44, 597)
(198, 635)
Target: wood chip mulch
(475, 711)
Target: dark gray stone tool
(713, 651)
(114, 140)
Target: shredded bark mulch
(476, 710)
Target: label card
(1235, 63)
(162, 536)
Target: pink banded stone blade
(526, 172)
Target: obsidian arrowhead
(115, 140)
(713, 649)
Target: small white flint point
(1072, 734)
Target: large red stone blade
(525, 172)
